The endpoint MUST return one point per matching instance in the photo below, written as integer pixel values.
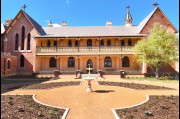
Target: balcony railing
(84, 49)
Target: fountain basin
(89, 79)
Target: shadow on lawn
(11, 84)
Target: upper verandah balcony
(84, 50)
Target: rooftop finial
(128, 7)
(155, 4)
(24, 7)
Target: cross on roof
(24, 7)
(155, 4)
(128, 7)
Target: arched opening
(23, 38)
(89, 42)
(129, 42)
(89, 63)
(107, 62)
(16, 41)
(125, 62)
(71, 62)
(52, 62)
(108, 43)
(102, 43)
(48, 43)
(29, 42)
(69, 43)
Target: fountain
(89, 78)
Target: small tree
(159, 48)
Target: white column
(144, 68)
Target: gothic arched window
(29, 42)
(16, 41)
(23, 38)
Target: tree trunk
(157, 72)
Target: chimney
(64, 23)
(108, 23)
(50, 24)
(8, 21)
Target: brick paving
(98, 104)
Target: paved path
(95, 105)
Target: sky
(88, 12)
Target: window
(21, 61)
(29, 42)
(55, 43)
(102, 43)
(16, 41)
(23, 38)
(69, 43)
(107, 62)
(71, 62)
(9, 64)
(125, 62)
(52, 62)
(129, 42)
(89, 42)
(76, 43)
(122, 43)
(108, 43)
(48, 43)
(89, 63)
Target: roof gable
(143, 23)
(34, 24)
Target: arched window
(29, 42)
(122, 43)
(71, 62)
(89, 42)
(16, 41)
(9, 64)
(23, 38)
(108, 43)
(48, 43)
(21, 61)
(89, 62)
(69, 43)
(107, 62)
(125, 62)
(102, 43)
(52, 62)
(129, 42)
(55, 43)
(76, 43)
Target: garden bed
(51, 85)
(24, 107)
(133, 85)
(158, 107)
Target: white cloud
(47, 21)
(67, 1)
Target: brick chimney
(8, 21)
(64, 23)
(108, 23)
(50, 24)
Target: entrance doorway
(91, 65)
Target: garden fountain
(89, 78)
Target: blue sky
(88, 12)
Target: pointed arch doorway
(89, 61)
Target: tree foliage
(159, 48)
